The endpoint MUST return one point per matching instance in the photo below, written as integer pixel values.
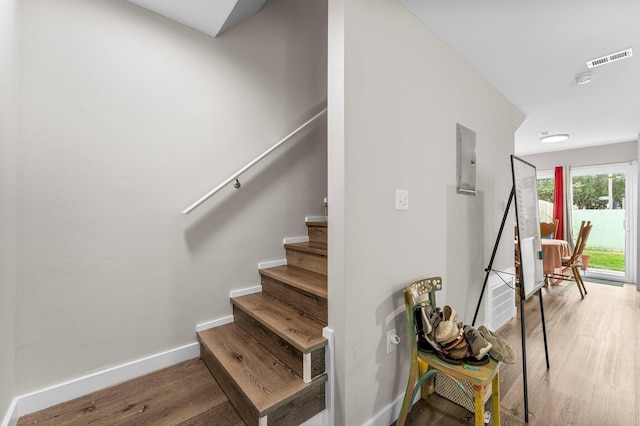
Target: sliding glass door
(605, 196)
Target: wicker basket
(449, 389)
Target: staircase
(270, 362)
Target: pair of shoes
(501, 350)
(448, 329)
(456, 349)
(426, 319)
(480, 347)
(447, 358)
(471, 360)
(429, 315)
(424, 345)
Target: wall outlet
(402, 199)
(392, 341)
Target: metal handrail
(234, 177)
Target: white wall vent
(501, 302)
(611, 57)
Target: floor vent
(612, 57)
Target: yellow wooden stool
(427, 364)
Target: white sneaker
(448, 329)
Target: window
(546, 182)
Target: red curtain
(558, 198)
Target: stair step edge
(309, 247)
(298, 278)
(261, 307)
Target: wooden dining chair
(424, 365)
(549, 229)
(573, 263)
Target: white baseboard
(44, 398)
(293, 240)
(388, 414)
(48, 397)
(11, 418)
(245, 291)
(272, 264)
(215, 323)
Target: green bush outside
(609, 260)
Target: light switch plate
(402, 199)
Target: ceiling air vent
(611, 57)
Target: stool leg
(495, 398)
(406, 403)
(426, 387)
(479, 406)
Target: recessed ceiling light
(584, 78)
(558, 137)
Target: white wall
(8, 140)
(404, 92)
(125, 119)
(603, 154)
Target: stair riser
(317, 233)
(289, 355)
(318, 366)
(309, 261)
(244, 408)
(313, 305)
(301, 409)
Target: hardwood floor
(594, 347)
(594, 363)
(184, 395)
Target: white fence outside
(608, 226)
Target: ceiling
(210, 17)
(532, 51)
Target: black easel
(488, 270)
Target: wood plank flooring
(594, 351)
(184, 395)
(594, 374)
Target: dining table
(554, 250)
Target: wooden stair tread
(301, 331)
(305, 280)
(309, 247)
(261, 377)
